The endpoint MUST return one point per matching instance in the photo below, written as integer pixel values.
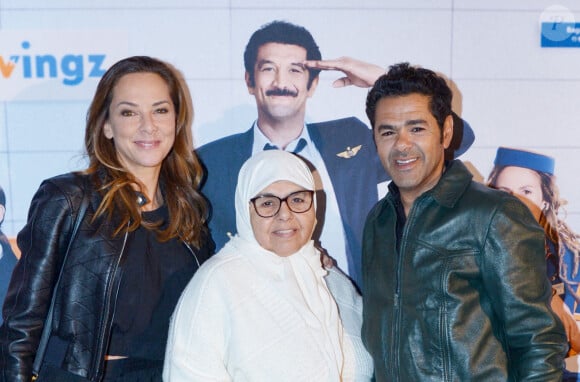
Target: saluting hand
(357, 73)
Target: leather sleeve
(43, 242)
(515, 280)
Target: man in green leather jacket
(454, 284)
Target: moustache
(400, 154)
(281, 92)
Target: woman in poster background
(530, 177)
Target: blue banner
(560, 35)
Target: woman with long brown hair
(106, 252)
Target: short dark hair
(403, 79)
(284, 33)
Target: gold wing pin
(349, 152)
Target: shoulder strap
(47, 329)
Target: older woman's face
(524, 183)
(287, 231)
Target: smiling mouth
(403, 162)
(147, 144)
(284, 232)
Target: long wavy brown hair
(181, 171)
(555, 228)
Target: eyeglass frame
(282, 200)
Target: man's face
(409, 142)
(281, 82)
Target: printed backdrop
(514, 66)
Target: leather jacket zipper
(397, 309)
(396, 333)
(104, 335)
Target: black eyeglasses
(267, 206)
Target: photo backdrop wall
(512, 90)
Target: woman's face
(524, 183)
(287, 231)
(141, 122)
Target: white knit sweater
(238, 321)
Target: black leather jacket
(87, 295)
(466, 297)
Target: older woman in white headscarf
(261, 309)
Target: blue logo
(72, 68)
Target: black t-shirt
(154, 276)
(401, 217)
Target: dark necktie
(299, 147)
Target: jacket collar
(450, 187)
(452, 184)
